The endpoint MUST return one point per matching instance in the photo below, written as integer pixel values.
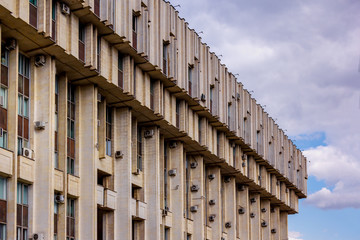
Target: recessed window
(108, 130)
(71, 129)
(22, 211)
(70, 218)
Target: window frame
(22, 203)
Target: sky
(301, 59)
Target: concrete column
(44, 106)
(152, 184)
(86, 141)
(230, 207)
(122, 169)
(198, 198)
(177, 188)
(265, 216)
(215, 210)
(284, 225)
(243, 227)
(275, 222)
(255, 219)
(12, 140)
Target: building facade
(117, 122)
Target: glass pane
(20, 64)
(20, 146)
(18, 234)
(2, 232)
(4, 56)
(3, 140)
(20, 105)
(3, 94)
(26, 107)
(56, 159)
(19, 193)
(25, 234)
(3, 188)
(56, 207)
(25, 194)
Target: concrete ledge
(208, 233)
(109, 199)
(106, 165)
(59, 180)
(6, 162)
(138, 209)
(190, 226)
(168, 219)
(73, 185)
(100, 195)
(26, 169)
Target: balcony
(73, 185)
(138, 209)
(105, 164)
(26, 169)
(105, 198)
(58, 180)
(6, 162)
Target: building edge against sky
(118, 123)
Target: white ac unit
(149, 133)
(40, 60)
(264, 224)
(119, 154)
(238, 96)
(203, 97)
(195, 188)
(227, 179)
(59, 198)
(252, 215)
(263, 210)
(228, 225)
(241, 210)
(172, 172)
(211, 176)
(39, 125)
(173, 144)
(253, 200)
(38, 236)
(273, 230)
(164, 212)
(26, 152)
(193, 208)
(10, 44)
(1, 101)
(137, 171)
(65, 9)
(212, 218)
(212, 202)
(193, 165)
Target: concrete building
(117, 122)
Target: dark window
(139, 148)
(229, 114)
(152, 94)
(134, 30)
(165, 59)
(187, 187)
(33, 13)
(4, 95)
(53, 20)
(22, 216)
(70, 219)
(234, 156)
(71, 129)
(120, 70)
(199, 131)
(178, 113)
(3, 207)
(218, 144)
(56, 217)
(108, 130)
(166, 205)
(97, 7)
(190, 79)
(23, 103)
(56, 149)
(211, 98)
(98, 53)
(82, 42)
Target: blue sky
(301, 59)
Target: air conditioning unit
(148, 133)
(264, 224)
(193, 165)
(211, 176)
(172, 172)
(227, 179)
(38, 236)
(195, 188)
(65, 9)
(243, 164)
(1, 101)
(263, 210)
(228, 225)
(252, 215)
(244, 157)
(240, 187)
(39, 125)
(193, 208)
(40, 60)
(164, 212)
(273, 230)
(203, 97)
(173, 144)
(119, 154)
(137, 172)
(238, 96)
(212, 202)
(26, 152)
(59, 199)
(99, 97)
(259, 177)
(253, 200)
(10, 44)
(241, 210)
(212, 218)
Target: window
(71, 129)
(234, 156)
(152, 94)
(70, 219)
(190, 78)
(211, 98)
(97, 7)
(199, 130)
(165, 58)
(134, 75)
(166, 233)
(3, 208)
(139, 148)
(229, 113)
(56, 217)
(53, 20)
(120, 70)
(81, 42)
(33, 13)
(4, 95)
(23, 103)
(56, 155)
(22, 218)
(218, 144)
(166, 204)
(98, 52)
(134, 30)
(178, 113)
(108, 130)
(187, 187)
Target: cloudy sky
(301, 59)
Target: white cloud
(294, 236)
(337, 169)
